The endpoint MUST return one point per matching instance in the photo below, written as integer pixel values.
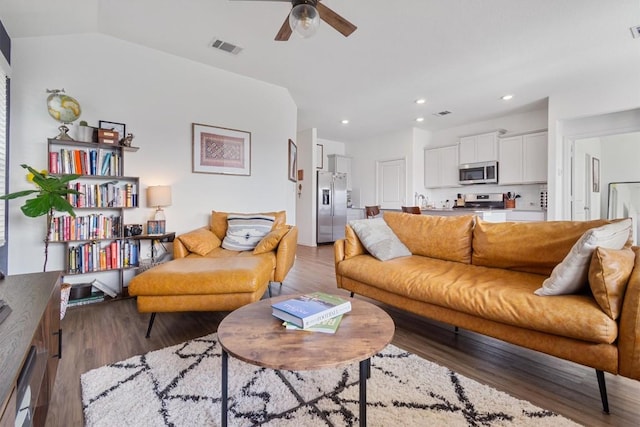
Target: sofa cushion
(219, 220)
(200, 241)
(572, 273)
(379, 239)
(244, 232)
(271, 240)
(441, 237)
(609, 273)
(532, 247)
(500, 295)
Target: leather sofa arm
(338, 256)
(286, 254)
(629, 335)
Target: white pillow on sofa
(572, 273)
(244, 232)
(378, 238)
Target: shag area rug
(180, 386)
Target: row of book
(317, 312)
(93, 256)
(87, 227)
(85, 162)
(105, 195)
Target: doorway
(391, 183)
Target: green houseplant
(50, 195)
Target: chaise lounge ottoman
(202, 284)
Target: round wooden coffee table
(253, 335)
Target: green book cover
(329, 326)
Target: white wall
(619, 163)
(330, 147)
(158, 96)
(390, 146)
(306, 202)
(619, 93)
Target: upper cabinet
(441, 167)
(523, 159)
(339, 163)
(479, 148)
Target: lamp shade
(158, 195)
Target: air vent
(225, 46)
(442, 113)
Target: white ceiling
(461, 55)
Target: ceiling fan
(305, 17)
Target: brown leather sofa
(203, 276)
(482, 276)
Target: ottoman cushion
(204, 276)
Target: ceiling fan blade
(336, 21)
(285, 31)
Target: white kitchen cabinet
(523, 159)
(339, 163)
(441, 167)
(479, 148)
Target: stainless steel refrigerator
(332, 206)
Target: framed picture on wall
(220, 150)
(319, 156)
(595, 174)
(293, 161)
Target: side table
(154, 238)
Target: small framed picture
(595, 174)
(293, 161)
(153, 227)
(319, 156)
(118, 127)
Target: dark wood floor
(108, 332)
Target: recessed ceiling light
(345, 122)
(420, 101)
(420, 119)
(506, 97)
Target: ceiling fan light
(304, 19)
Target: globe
(63, 108)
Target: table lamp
(159, 196)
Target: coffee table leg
(365, 366)
(225, 360)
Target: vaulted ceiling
(460, 55)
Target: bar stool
(371, 211)
(412, 209)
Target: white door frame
(401, 184)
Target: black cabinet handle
(59, 334)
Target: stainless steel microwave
(478, 173)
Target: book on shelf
(310, 309)
(328, 326)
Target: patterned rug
(180, 386)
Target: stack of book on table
(317, 311)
